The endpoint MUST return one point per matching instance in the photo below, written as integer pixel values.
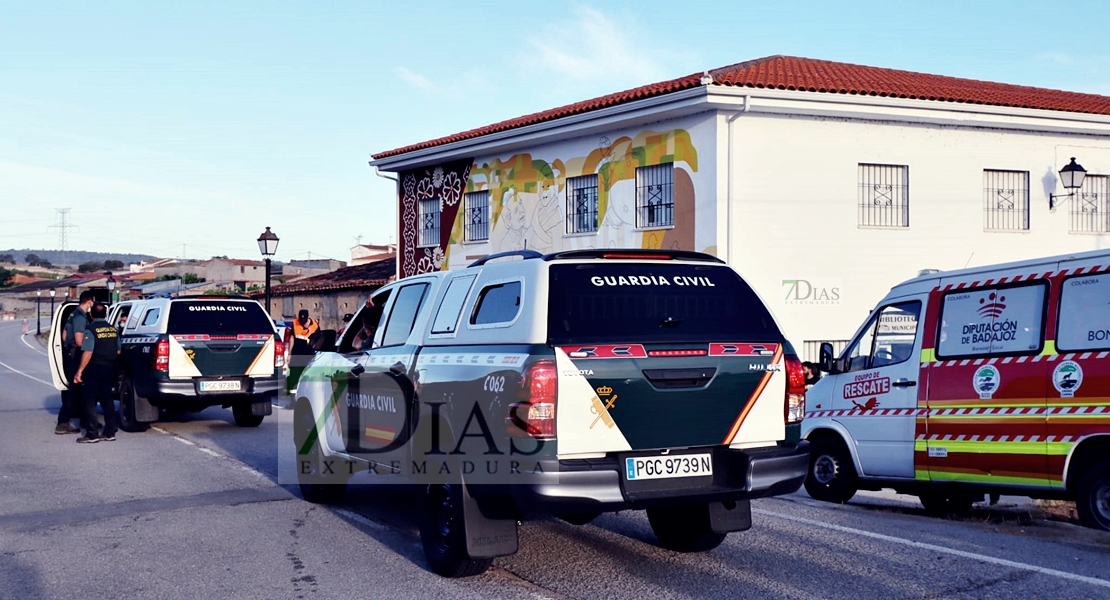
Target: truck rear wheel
(684, 528)
(442, 532)
(127, 397)
(1092, 500)
(831, 477)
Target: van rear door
(654, 355)
(225, 340)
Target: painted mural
(528, 201)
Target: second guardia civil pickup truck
(569, 384)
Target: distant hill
(76, 257)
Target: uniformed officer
(99, 361)
(72, 336)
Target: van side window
(447, 319)
(1084, 315)
(121, 316)
(403, 314)
(992, 321)
(151, 316)
(888, 339)
(497, 304)
(133, 321)
(363, 327)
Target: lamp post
(52, 292)
(267, 244)
(1071, 176)
(38, 309)
(111, 288)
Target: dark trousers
(98, 389)
(71, 398)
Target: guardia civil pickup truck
(568, 384)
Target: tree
(5, 276)
(113, 265)
(7, 258)
(188, 278)
(91, 266)
(32, 259)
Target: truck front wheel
(1093, 498)
(831, 477)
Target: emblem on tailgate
(601, 407)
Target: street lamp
(267, 245)
(111, 287)
(52, 292)
(1072, 177)
(38, 309)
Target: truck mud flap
(726, 517)
(486, 537)
(145, 412)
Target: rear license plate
(639, 468)
(220, 386)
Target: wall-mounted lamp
(1072, 177)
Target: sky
(184, 129)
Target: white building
(823, 183)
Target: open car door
(54, 347)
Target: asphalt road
(193, 509)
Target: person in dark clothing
(97, 372)
(72, 336)
(813, 373)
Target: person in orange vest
(304, 328)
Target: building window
(428, 219)
(582, 204)
(655, 196)
(1006, 200)
(884, 195)
(476, 226)
(1090, 211)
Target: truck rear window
(646, 303)
(215, 317)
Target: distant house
(238, 273)
(368, 253)
(330, 296)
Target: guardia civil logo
(1067, 377)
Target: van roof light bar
(523, 254)
(635, 254)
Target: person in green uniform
(99, 359)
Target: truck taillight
(162, 356)
(794, 407)
(279, 354)
(533, 414)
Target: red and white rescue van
(991, 379)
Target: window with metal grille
(655, 196)
(884, 195)
(476, 226)
(428, 222)
(1006, 200)
(1090, 211)
(582, 204)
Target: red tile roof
(819, 76)
(370, 275)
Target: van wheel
(243, 416)
(831, 477)
(127, 398)
(1093, 498)
(684, 528)
(442, 532)
(316, 487)
(947, 502)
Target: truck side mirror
(828, 362)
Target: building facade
(823, 183)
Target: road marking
(18, 372)
(973, 556)
(238, 463)
(23, 338)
